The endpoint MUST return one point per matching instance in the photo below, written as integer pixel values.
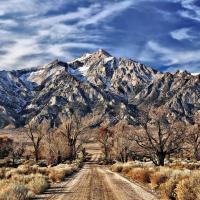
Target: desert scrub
(78, 163)
(59, 172)
(57, 175)
(20, 178)
(43, 170)
(3, 172)
(126, 167)
(167, 189)
(189, 188)
(25, 169)
(14, 191)
(157, 179)
(117, 167)
(38, 184)
(141, 175)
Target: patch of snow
(38, 76)
(108, 59)
(195, 74)
(80, 73)
(32, 77)
(87, 55)
(83, 70)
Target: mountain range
(96, 83)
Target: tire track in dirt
(95, 182)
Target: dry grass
(117, 167)
(167, 189)
(189, 188)
(157, 179)
(14, 191)
(38, 184)
(177, 181)
(58, 173)
(26, 181)
(185, 165)
(141, 175)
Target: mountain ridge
(95, 82)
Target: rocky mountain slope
(95, 83)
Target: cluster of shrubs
(175, 182)
(27, 181)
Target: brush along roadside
(27, 181)
(169, 182)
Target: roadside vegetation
(45, 156)
(26, 181)
(177, 181)
(158, 151)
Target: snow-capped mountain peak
(95, 81)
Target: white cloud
(60, 49)
(29, 7)
(193, 69)
(81, 13)
(182, 34)
(191, 10)
(54, 35)
(20, 48)
(108, 10)
(168, 56)
(8, 23)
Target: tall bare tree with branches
(17, 149)
(36, 132)
(122, 144)
(158, 135)
(193, 136)
(106, 139)
(73, 129)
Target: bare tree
(73, 129)
(158, 135)
(193, 136)
(36, 132)
(55, 147)
(5, 146)
(122, 144)
(105, 137)
(16, 151)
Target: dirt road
(96, 182)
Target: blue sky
(161, 33)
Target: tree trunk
(13, 161)
(74, 152)
(196, 154)
(121, 157)
(126, 154)
(59, 157)
(36, 155)
(161, 158)
(70, 152)
(106, 152)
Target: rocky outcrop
(98, 82)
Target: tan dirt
(95, 182)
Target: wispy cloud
(109, 10)
(184, 60)
(33, 31)
(191, 10)
(26, 8)
(182, 34)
